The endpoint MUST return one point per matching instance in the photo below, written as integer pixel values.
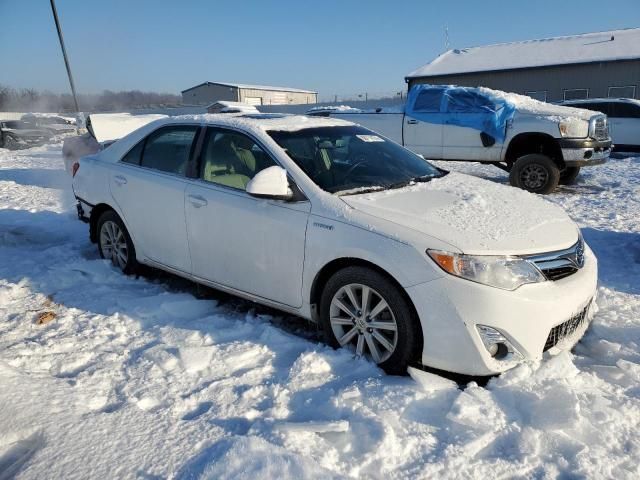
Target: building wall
(273, 97)
(596, 77)
(209, 93)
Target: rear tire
(10, 143)
(114, 242)
(385, 328)
(535, 173)
(568, 175)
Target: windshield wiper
(359, 190)
(410, 181)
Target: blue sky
(335, 47)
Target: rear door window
(134, 155)
(168, 149)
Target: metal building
(209, 92)
(592, 65)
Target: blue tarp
(461, 106)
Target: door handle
(120, 180)
(412, 122)
(197, 201)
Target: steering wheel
(354, 166)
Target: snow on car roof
(585, 48)
(264, 121)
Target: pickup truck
(539, 144)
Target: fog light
(588, 154)
(497, 345)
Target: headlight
(574, 128)
(507, 273)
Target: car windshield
(350, 159)
(16, 125)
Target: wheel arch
(96, 212)
(534, 142)
(334, 266)
(328, 270)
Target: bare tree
(29, 99)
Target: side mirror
(271, 183)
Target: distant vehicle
(396, 259)
(624, 119)
(539, 144)
(55, 124)
(16, 134)
(224, 106)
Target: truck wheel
(535, 173)
(11, 143)
(568, 175)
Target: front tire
(362, 309)
(535, 173)
(568, 175)
(114, 242)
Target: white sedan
(396, 259)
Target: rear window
(625, 110)
(594, 106)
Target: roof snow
(585, 48)
(247, 86)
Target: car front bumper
(584, 152)
(451, 308)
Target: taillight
(75, 168)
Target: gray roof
(585, 48)
(253, 87)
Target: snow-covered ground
(143, 378)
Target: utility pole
(64, 54)
(446, 38)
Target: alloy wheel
(359, 316)
(114, 244)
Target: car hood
(554, 112)
(474, 215)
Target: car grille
(561, 264)
(601, 129)
(566, 329)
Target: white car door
(420, 136)
(465, 143)
(238, 241)
(624, 124)
(148, 185)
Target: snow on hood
(475, 215)
(525, 104)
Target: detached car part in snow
(539, 144)
(394, 258)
